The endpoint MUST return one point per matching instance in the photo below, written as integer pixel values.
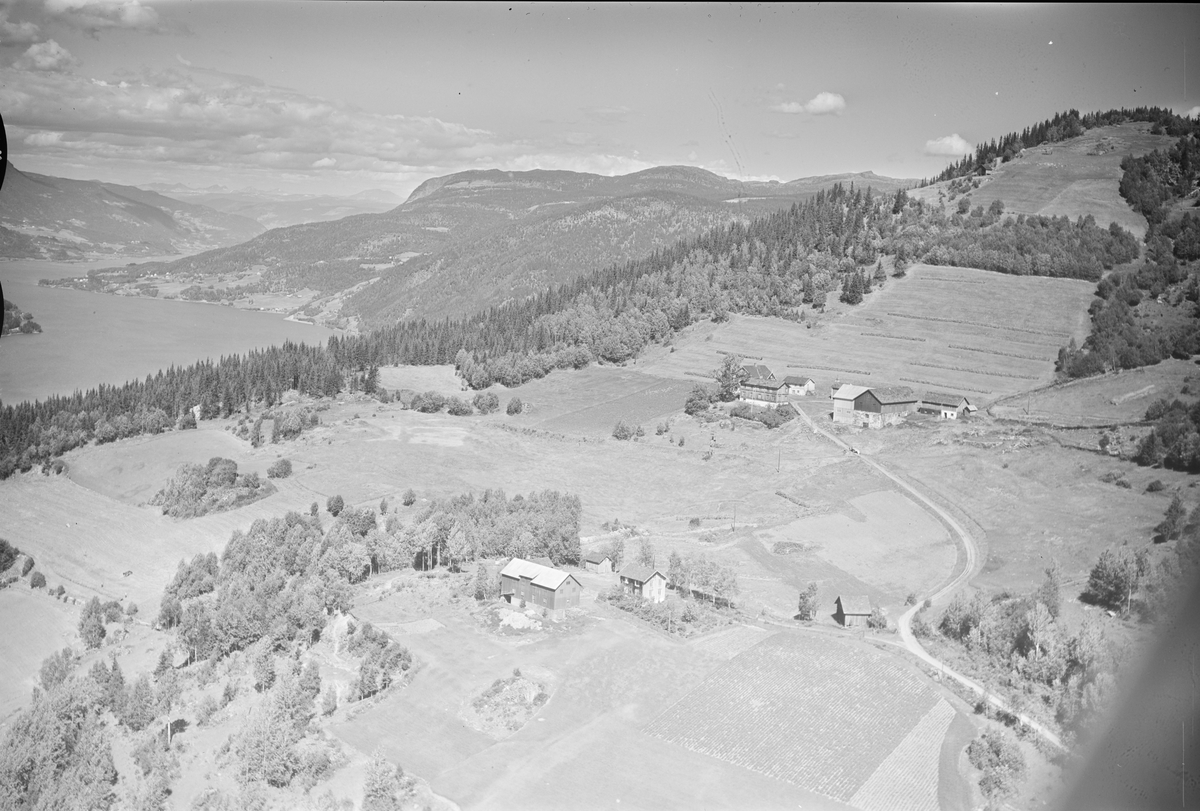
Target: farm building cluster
(869, 406)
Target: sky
(341, 97)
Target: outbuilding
(800, 386)
(598, 562)
(646, 582)
(945, 406)
(873, 407)
(853, 611)
(843, 402)
(538, 585)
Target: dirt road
(971, 551)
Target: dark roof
(942, 398)
(855, 604)
(895, 394)
(793, 380)
(757, 370)
(596, 557)
(640, 573)
(762, 383)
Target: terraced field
(815, 712)
(980, 333)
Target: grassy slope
(1072, 178)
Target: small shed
(801, 386)
(853, 611)
(646, 582)
(598, 562)
(538, 585)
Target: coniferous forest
(772, 266)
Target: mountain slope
(57, 218)
(473, 239)
(272, 210)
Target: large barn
(872, 407)
(538, 585)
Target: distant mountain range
(466, 241)
(45, 217)
(278, 210)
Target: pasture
(1072, 178)
(795, 707)
(35, 625)
(983, 334)
(1121, 397)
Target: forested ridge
(1060, 127)
(772, 266)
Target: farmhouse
(873, 408)
(538, 585)
(802, 386)
(852, 612)
(646, 582)
(946, 406)
(760, 387)
(598, 562)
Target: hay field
(1113, 398)
(811, 711)
(883, 539)
(1075, 178)
(980, 333)
(607, 681)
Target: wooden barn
(598, 562)
(646, 582)
(538, 585)
(945, 406)
(800, 386)
(760, 387)
(873, 407)
(853, 612)
(843, 402)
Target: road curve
(904, 624)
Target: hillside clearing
(980, 333)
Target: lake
(93, 338)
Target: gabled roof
(538, 574)
(793, 380)
(596, 557)
(762, 383)
(758, 370)
(895, 394)
(855, 604)
(943, 399)
(640, 573)
(848, 391)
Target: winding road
(971, 551)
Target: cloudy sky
(341, 97)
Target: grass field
(796, 708)
(1114, 398)
(980, 333)
(35, 625)
(1072, 178)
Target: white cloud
(23, 33)
(949, 145)
(1193, 113)
(324, 163)
(43, 139)
(46, 56)
(95, 15)
(824, 103)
